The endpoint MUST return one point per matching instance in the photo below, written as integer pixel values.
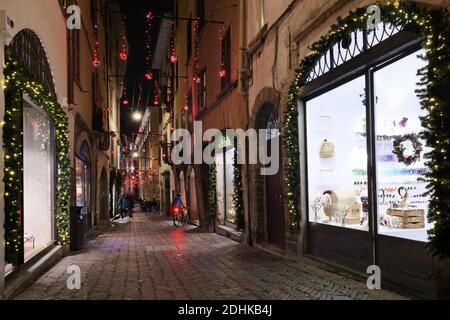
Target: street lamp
(137, 116)
(135, 155)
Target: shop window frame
(365, 64)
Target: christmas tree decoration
(196, 66)
(17, 83)
(123, 40)
(172, 50)
(148, 47)
(222, 71)
(432, 27)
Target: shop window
(225, 186)
(337, 157)
(402, 203)
(220, 186)
(83, 185)
(39, 174)
(337, 143)
(230, 213)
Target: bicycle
(181, 216)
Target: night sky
(136, 12)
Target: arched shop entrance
(363, 156)
(267, 118)
(34, 152)
(104, 203)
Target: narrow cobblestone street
(147, 258)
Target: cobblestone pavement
(148, 259)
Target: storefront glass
(82, 186)
(229, 185)
(402, 203)
(337, 157)
(38, 146)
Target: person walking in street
(154, 206)
(177, 206)
(130, 207)
(122, 205)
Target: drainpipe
(243, 62)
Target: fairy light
(156, 93)
(125, 101)
(222, 71)
(148, 46)
(173, 53)
(123, 40)
(196, 70)
(96, 63)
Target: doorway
(267, 118)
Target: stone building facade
(82, 91)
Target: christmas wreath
(400, 150)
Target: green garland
(17, 83)
(212, 192)
(238, 195)
(432, 27)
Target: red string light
(173, 53)
(96, 63)
(186, 104)
(196, 50)
(123, 40)
(148, 57)
(222, 71)
(156, 93)
(125, 101)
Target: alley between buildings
(147, 258)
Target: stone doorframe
(260, 112)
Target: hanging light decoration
(148, 48)
(186, 102)
(222, 71)
(96, 63)
(196, 50)
(156, 93)
(125, 101)
(123, 40)
(173, 53)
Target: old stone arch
(267, 196)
